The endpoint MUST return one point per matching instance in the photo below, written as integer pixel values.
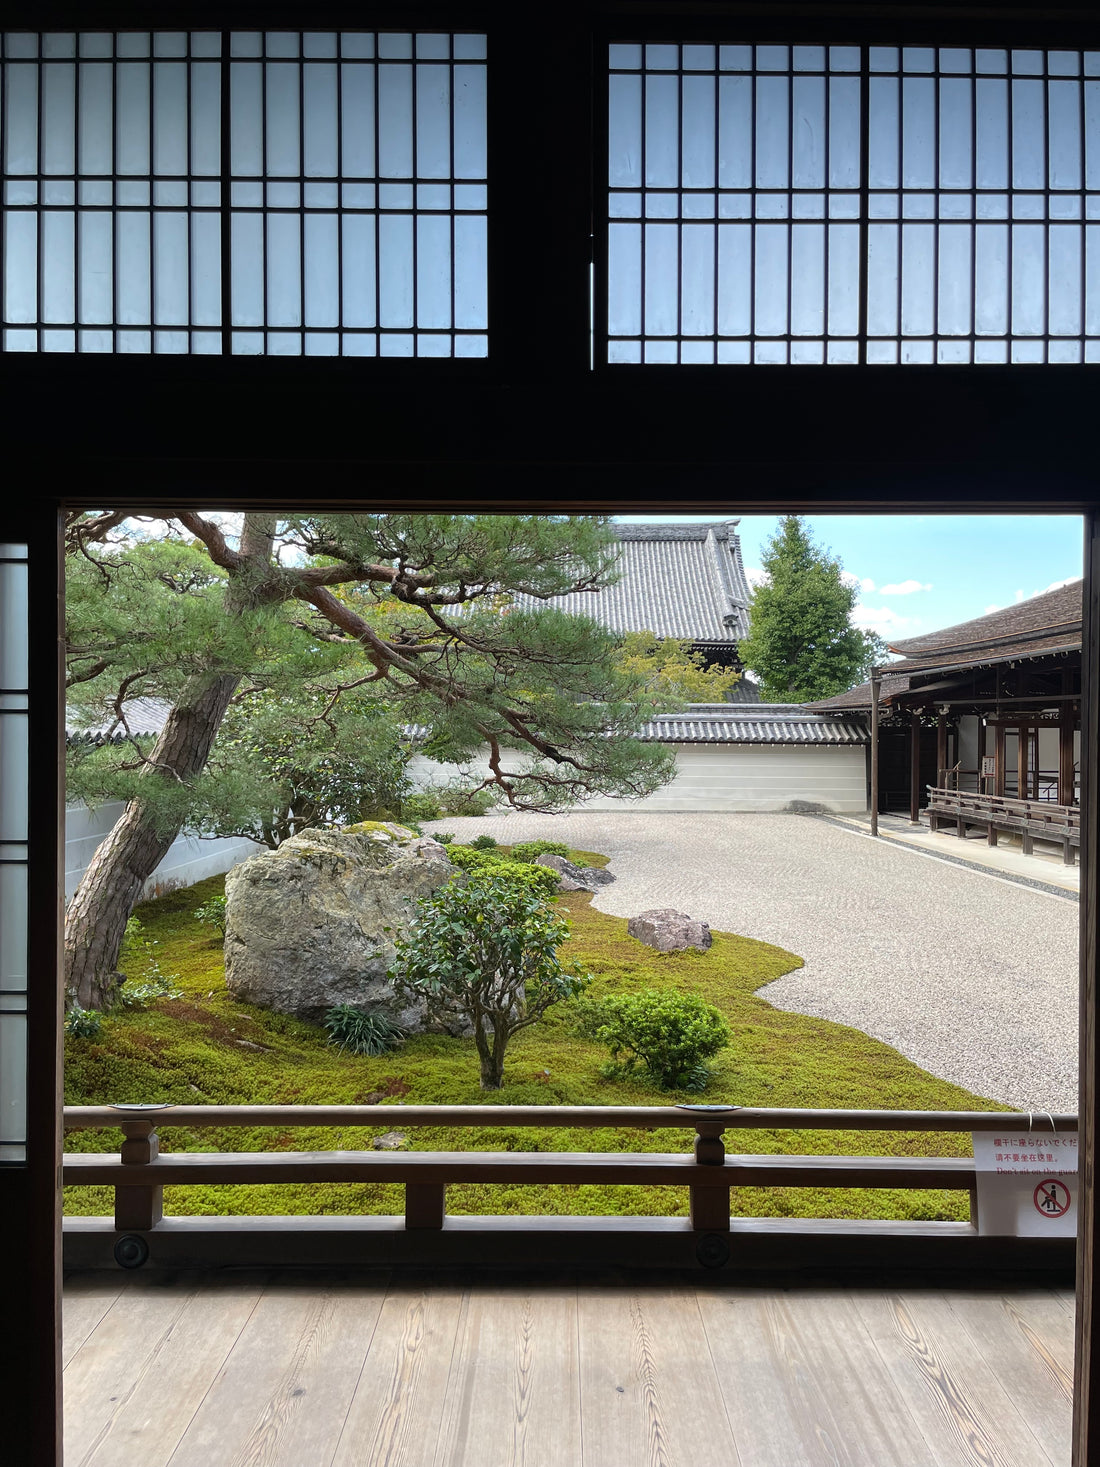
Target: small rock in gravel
(391, 1141)
(669, 931)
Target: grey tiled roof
(766, 723)
(145, 717)
(675, 581)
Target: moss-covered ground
(207, 1048)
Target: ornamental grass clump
(483, 951)
(671, 1034)
(362, 1031)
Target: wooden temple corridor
(241, 1369)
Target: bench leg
(991, 836)
(425, 1204)
(1026, 842)
(1067, 854)
(960, 828)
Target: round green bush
(671, 1034)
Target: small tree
(484, 950)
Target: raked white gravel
(971, 976)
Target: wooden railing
(140, 1172)
(996, 814)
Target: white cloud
(905, 588)
(882, 619)
(857, 583)
(1055, 586)
(989, 610)
(756, 577)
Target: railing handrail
(641, 1117)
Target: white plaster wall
(734, 777)
(189, 859)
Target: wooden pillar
(1086, 1395)
(876, 688)
(1065, 758)
(1023, 750)
(914, 769)
(941, 751)
(137, 1209)
(710, 1205)
(999, 759)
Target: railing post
(710, 1206)
(137, 1209)
(425, 1204)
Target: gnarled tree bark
(95, 922)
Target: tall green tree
(801, 643)
(411, 609)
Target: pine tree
(411, 609)
(801, 644)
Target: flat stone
(391, 1141)
(669, 931)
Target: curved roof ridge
(1019, 619)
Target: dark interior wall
(531, 428)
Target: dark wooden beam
(1086, 1399)
(914, 769)
(30, 1195)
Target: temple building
(979, 724)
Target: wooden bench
(1030, 819)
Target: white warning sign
(1026, 1183)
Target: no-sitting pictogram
(1052, 1198)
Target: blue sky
(918, 573)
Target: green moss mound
(207, 1048)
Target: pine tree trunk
(96, 919)
(95, 922)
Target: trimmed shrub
(671, 1034)
(362, 1031)
(531, 850)
(444, 837)
(483, 843)
(541, 880)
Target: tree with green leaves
(673, 668)
(411, 610)
(483, 951)
(801, 643)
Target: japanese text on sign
(1033, 1152)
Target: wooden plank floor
(330, 1370)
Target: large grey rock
(305, 924)
(669, 931)
(576, 878)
